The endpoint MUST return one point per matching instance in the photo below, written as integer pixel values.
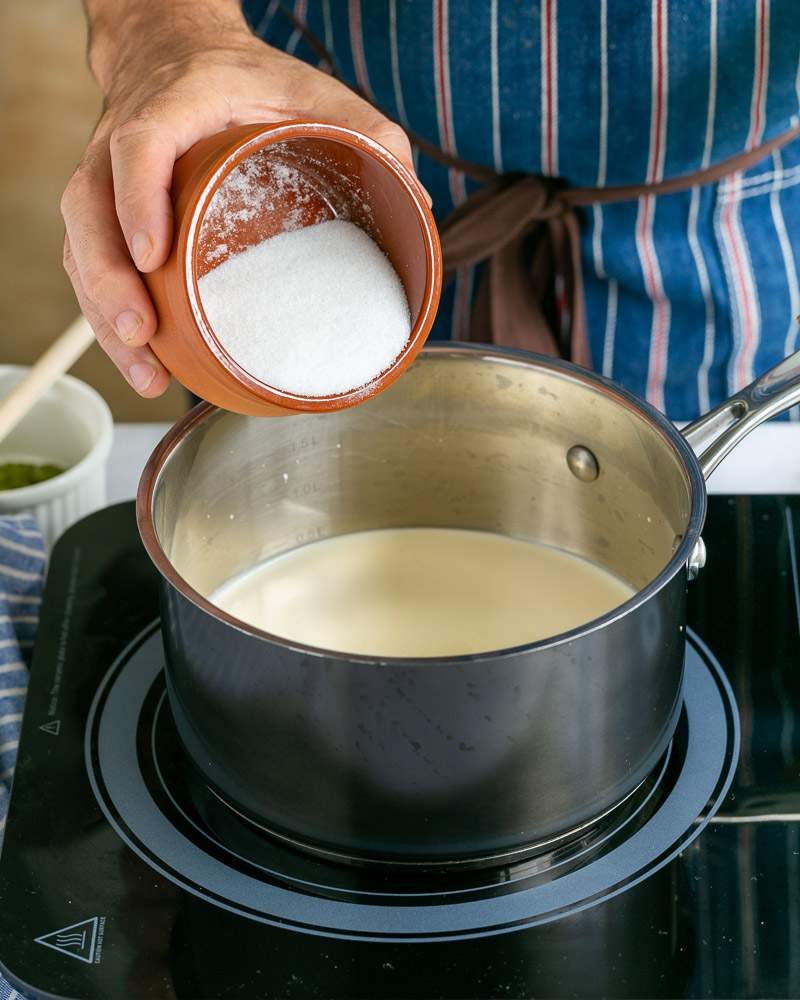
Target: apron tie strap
(531, 295)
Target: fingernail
(128, 324)
(141, 246)
(141, 375)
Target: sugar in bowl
(287, 232)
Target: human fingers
(143, 151)
(97, 253)
(138, 364)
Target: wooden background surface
(48, 106)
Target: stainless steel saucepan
(432, 760)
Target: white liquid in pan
(421, 592)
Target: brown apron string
(580, 196)
(708, 175)
(526, 227)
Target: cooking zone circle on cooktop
(143, 785)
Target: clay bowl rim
(188, 237)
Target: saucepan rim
(672, 438)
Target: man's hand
(172, 72)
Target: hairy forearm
(119, 28)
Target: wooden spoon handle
(59, 357)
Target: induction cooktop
(122, 875)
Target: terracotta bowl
(336, 173)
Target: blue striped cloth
(22, 568)
(688, 295)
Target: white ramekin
(70, 426)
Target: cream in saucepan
(421, 592)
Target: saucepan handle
(721, 429)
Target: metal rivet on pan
(582, 463)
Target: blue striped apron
(688, 295)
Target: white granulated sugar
(315, 312)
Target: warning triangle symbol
(54, 727)
(77, 941)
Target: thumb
(142, 158)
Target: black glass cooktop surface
(123, 876)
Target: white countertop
(768, 461)
(129, 452)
